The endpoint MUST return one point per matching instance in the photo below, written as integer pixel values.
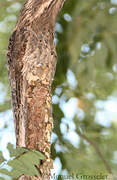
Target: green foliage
(87, 47)
(1, 158)
(89, 40)
(16, 152)
(25, 162)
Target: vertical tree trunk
(31, 66)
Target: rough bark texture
(31, 66)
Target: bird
(31, 62)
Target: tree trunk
(31, 67)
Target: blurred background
(84, 138)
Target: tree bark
(31, 67)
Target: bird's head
(43, 10)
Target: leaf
(14, 173)
(23, 163)
(1, 157)
(40, 155)
(16, 152)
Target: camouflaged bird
(31, 56)
(31, 60)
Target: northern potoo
(31, 67)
